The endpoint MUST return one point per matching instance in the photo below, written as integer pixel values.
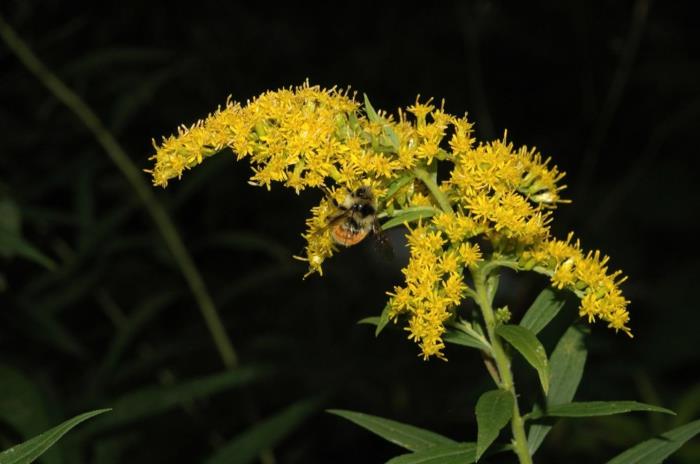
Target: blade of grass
(30, 450)
(240, 240)
(47, 330)
(404, 435)
(616, 91)
(117, 154)
(265, 435)
(13, 244)
(141, 317)
(23, 407)
(150, 401)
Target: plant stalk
(134, 177)
(485, 288)
(438, 194)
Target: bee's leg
(329, 195)
(385, 201)
(376, 227)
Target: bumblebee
(356, 219)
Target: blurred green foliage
(95, 313)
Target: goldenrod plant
(488, 207)
(215, 320)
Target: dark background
(609, 90)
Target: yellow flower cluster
(302, 137)
(291, 136)
(319, 243)
(434, 285)
(586, 275)
(505, 192)
(496, 194)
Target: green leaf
(597, 408)
(11, 244)
(396, 185)
(97, 60)
(150, 401)
(254, 279)
(406, 436)
(493, 411)
(658, 448)
(530, 347)
(566, 365)
(545, 307)
(688, 405)
(459, 337)
(378, 321)
(458, 453)
(21, 403)
(10, 217)
(23, 407)
(393, 138)
(383, 320)
(142, 315)
(126, 108)
(369, 111)
(69, 292)
(30, 450)
(45, 328)
(371, 320)
(239, 240)
(264, 435)
(409, 215)
(353, 121)
(565, 372)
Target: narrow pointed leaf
(406, 436)
(393, 138)
(369, 110)
(396, 185)
(49, 330)
(457, 337)
(545, 307)
(657, 449)
(597, 408)
(371, 320)
(11, 243)
(150, 401)
(565, 372)
(566, 365)
(30, 450)
(23, 407)
(10, 216)
(22, 404)
(530, 347)
(409, 215)
(378, 321)
(267, 434)
(143, 315)
(458, 453)
(383, 320)
(688, 405)
(493, 411)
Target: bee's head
(363, 193)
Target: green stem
(485, 288)
(438, 194)
(135, 178)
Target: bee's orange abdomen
(344, 236)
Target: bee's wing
(329, 195)
(381, 240)
(333, 220)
